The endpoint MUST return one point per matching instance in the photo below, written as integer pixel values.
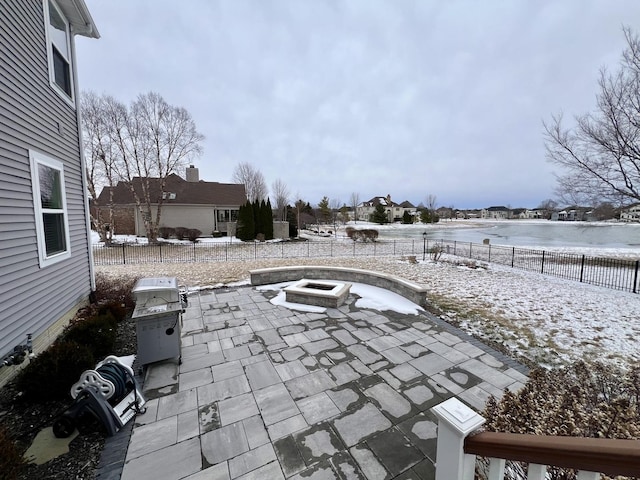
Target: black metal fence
(612, 273)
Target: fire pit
(320, 293)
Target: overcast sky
(407, 98)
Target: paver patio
(265, 392)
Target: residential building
(189, 203)
(46, 268)
(495, 213)
(394, 211)
(630, 213)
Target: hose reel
(110, 393)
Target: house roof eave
(79, 18)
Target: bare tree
(334, 205)
(431, 203)
(253, 181)
(100, 158)
(300, 206)
(548, 206)
(601, 153)
(280, 194)
(144, 144)
(355, 201)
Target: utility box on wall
(158, 317)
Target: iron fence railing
(619, 274)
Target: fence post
(281, 249)
(354, 248)
(455, 422)
(255, 250)
(489, 254)
(124, 255)
(160, 248)
(635, 278)
(331, 248)
(308, 248)
(454, 247)
(542, 269)
(194, 252)
(374, 249)
(581, 268)
(226, 251)
(513, 255)
(394, 247)
(470, 248)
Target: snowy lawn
(549, 321)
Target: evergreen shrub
(11, 461)
(51, 374)
(166, 232)
(193, 234)
(180, 233)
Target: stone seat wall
(409, 290)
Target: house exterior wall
(34, 117)
(201, 217)
(631, 214)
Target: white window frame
(69, 98)
(37, 158)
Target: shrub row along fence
(604, 272)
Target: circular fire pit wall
(320, 293)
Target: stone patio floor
(265, 392)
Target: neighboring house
(573, 214)
(495, 213)
(45, 258)
(190, 203)
(630, 213)
(407, 206)
(393, 210)
(533, 214)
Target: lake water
(528, 234)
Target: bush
(52, 373)
(370, 234)
(436, 252)
(180, 232)
(216, 234)
(350, 232)
(166, 232)
(580, 400)
(193, 234)
(11, 461)
(363, 235)
(98, 333)
(115, 291)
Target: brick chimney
(192, 174)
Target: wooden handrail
(604, 455)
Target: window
(59, 50)
(50, 206)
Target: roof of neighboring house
(497, 209)
(375, 201)
(186, 193)
(407, 204)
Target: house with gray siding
(46, 271)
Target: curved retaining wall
(409, 290)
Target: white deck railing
(456, 450)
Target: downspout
(85, 189)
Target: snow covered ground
(548, 320)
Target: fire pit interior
(321, 293)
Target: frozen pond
(527, 234)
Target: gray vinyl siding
(32, 298)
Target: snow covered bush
(581, 400)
